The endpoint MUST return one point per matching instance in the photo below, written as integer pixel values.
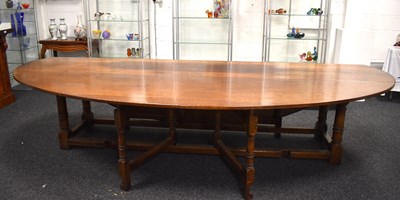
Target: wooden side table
(6, 95)
(68, 45)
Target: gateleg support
(121, 122)
(65, 131)
(338, 127)
(249, 172)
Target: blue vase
(20, 21)
(17, 23)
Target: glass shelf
(120, 39)
(296, 15)
(196, 18)
(295, 39)
(209, 43)
(119, 21)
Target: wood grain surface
(209, 85)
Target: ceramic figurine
(129, 52)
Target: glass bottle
(53, 29)
(63, 28)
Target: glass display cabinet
(202, 30)
(23, 41)
(118, 28)
(295, 30)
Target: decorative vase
(9, 4)
(18, 24)
(53, 29)
(63, 28)
(80, 29)
(106, 34)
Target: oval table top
(211, 85)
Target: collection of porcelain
(80, 29)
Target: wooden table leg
(43, 52)
(251, 130)
(87, 114)
(338, 127)
(123, 163)
(277, 122)
(321, 126)
(65, 130)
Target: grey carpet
(33, 167)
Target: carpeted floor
(33, 167)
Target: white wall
(370, 27)
(380, 18)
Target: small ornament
(19, 5)
(309, 57)
(280, 11)
(25, 4)
(9, 4)
(98, 15)
(291, 34)
(315, 54)
(129, 36)
(209, 14)
(129, 52)
(80, 30)
(106, 34)
(299, 34)
(96, 34)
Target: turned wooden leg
(217, 128)
(338, 126)
(123, 163)
(65, 131)
(321, 126)
(277, 122)
(172, 125)
(87, 114)
(251, 130)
